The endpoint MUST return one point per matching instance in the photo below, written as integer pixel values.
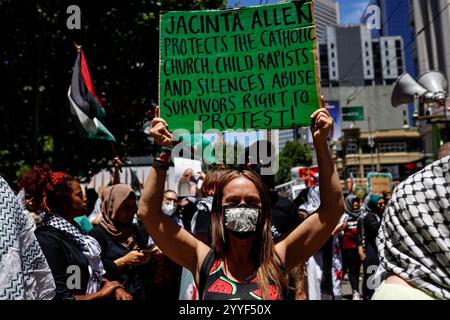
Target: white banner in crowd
(103, 178)
(183, 164)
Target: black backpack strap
(204, 272)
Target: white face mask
(241, 218)
(169, 208)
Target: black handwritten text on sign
(238, 69)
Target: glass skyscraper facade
(395, 21)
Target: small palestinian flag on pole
(85, 106)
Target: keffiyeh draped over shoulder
(24, 271)
(414, 238)
(88, 245)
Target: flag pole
(77, 47)
(113, 147)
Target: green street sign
(353, 114)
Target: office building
(394, 22)
(397, 151)
(285, 136)
(327, 14)
(351, 57)
(378, 112)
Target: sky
(247, 3)
(351, 10)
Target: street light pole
(446, 121)
(371, 143)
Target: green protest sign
(377, 182)
(244, 68)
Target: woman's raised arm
(175, 242)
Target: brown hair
(269, 266)
(212, 180)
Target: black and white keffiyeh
(414, 238)
(313, 202)
(24, 271)
(204, 206)
(89, 246)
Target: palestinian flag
(85, 106)
(351, 182)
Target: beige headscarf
(113, 198)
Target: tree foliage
(121, 43)
(294, 154)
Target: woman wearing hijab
(120, 242)
(414, 238)
(352, 261)
(371, 224)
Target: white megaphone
(406, 89)
(435, 83)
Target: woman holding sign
(243, 262)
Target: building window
(332, 54)
(387, 53)
(366, 44)
(388, 71)
(332, 46)
(333, 64)
(353, 170)
(367, 63)
(371, 168)
(392, 146)
(388, 63)
(368, 72)
(386, 44)
(334, 73)
(367, 53)
(351, 148)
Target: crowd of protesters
(232, 236)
